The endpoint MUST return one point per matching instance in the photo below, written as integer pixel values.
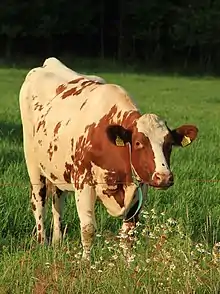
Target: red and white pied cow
(72, 126)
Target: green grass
(173, 264)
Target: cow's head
(151, 144)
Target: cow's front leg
(126, 233)
(38, 201)
(85, 203)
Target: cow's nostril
(157, 177)
(162, 178)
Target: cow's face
(151, 144)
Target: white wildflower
(171, 221)
(144, 212)
(199, 248)
(131, 258)
(78, 255)
(151, 235)
(111, 264)
(115, 257)
(172, 267)
(197, 266)
(131, 232)
(123, 246)
(157, 228)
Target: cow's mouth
(162, 187)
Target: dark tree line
(185, 32)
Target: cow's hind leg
(58, 198)
(85, 203)
(38, 201)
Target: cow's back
(53, 84)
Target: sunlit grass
(177, 230)
(165, 259)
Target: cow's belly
(55, 172)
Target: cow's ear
(184, 135)
(118, 135)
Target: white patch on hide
(155, 130)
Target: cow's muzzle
(162, 180)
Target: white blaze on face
(155, 130)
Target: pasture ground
(177, 229)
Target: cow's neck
(137, 181)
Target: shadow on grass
(11, 132)
(10, 157)
(11, 145)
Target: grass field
(178, 227)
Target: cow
(85, 135)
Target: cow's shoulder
(52, 69)
(54, 64)
(118, 95)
